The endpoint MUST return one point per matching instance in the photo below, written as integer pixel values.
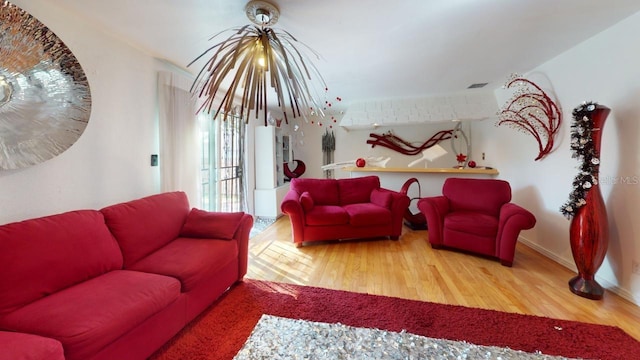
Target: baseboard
(623, 293)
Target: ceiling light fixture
(254, 61)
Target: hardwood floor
(409, 268)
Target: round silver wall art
(45, 101)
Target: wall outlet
(635, 267)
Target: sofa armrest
(513, 219)
(292, 207)
(434, 209)
(242, 237)
(20, 346)
(399, 205)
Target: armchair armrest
(292, 207)
(513, 219)
(242, 237)
(514, 215)
(291, 204)
(434, 209)
(398, 206)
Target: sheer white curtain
(179, 137)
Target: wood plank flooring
(409, 268)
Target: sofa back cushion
(322, 191)
(357, 190)
(41, 256)
(144, 225)
(482, 195)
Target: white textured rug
(282, 338)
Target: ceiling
(377, 48)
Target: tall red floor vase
(589, 230)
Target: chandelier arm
(238, 31)
(299, 91)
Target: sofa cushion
(483, 195)
(327, 215)
(211, 225)
(367, 214)
(472, 222)
(306, 201)
(323, 191)
(190, 260)
(144, 225)
(41, 256)
(381, 198)
(357, 190)
(88, 316)
(21, 346)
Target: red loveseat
(476, 215)
(335, 209)
(115, 283)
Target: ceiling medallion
(45, 100)
(262, 13)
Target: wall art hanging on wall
(533, 112)
(45, 101)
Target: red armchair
(476, 215)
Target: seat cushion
(327, 215)
(190, 260)
(20, 346)
(472, 222)
(88, 316)
(367, 214)
(144, 225)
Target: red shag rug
(220, 331)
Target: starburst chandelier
(254, 61)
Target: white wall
(602, 69)
(110, 161)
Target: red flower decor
(532, 111)
(461, 158)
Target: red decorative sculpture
(532, 111)
(395, 143)
(295, 173)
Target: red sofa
(333, 209)
(476, 215)
(115, 283)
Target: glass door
(223, 163)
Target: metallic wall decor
(45, 101)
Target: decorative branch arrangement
(393, 142)
(533, 112)
(582, 148)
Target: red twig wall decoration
(395, 143)
(531, 111)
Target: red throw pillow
(211, 225)
(307, 201)
(381, 198)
